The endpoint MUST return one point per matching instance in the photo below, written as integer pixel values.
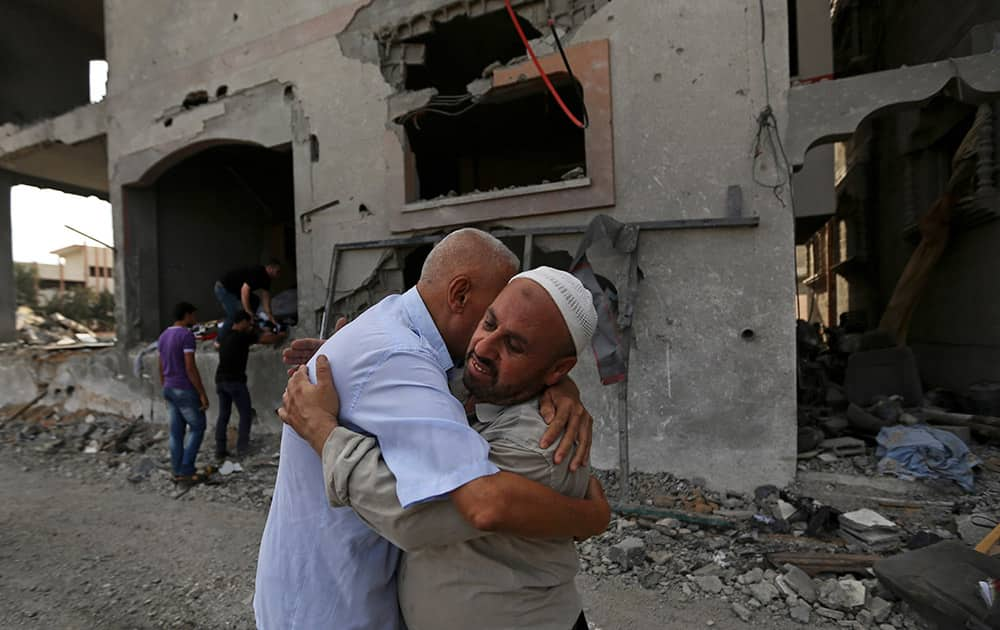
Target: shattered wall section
(93, 381)
(385, 279)
(389, 33)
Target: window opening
(517, 137)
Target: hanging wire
(767, 139)
(569, 70)
(545, 77)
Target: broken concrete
(70, 149)
(90, 380)
(281, 68)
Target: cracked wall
(686, 87)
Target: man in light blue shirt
(322, 567)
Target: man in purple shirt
(183, 391)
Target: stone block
(628, 553)
(800, 582)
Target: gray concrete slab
(8, 302)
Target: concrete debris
(753, 576)
(842, 594)
(836, 615)
(870, 529)
(972, 528)
(56, 331)
(479, 87)
(649, 579)
(801, 613)
(708, 583)
(488, 70)
(575, 173)
(628, 553)
(856, 592)
(880, 609)
(101, 448)
(866, 519)
(763, 592)
(758, 574)
(800, 582)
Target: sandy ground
(77, 554)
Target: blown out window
(485, 139)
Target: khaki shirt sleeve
(356, 476)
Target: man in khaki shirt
(453, 576)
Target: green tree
(26, 283)
(102, 309)
(74, 303)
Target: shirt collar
(423, 323)
(487, 413)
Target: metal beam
(830, 111)
(528, 233)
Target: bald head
(461, 276)
(466, 250)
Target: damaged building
(345, 138)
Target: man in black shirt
(239, 289)
(231, 380)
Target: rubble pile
(56, 331)
(805, 552)
(781, 552)
(100, 447)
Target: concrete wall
(8, 294)
(94, 381)
(45, 69)
(687, 84)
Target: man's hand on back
(302, 350)
(562, 410)
(311, 410)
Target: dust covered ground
(93, 534)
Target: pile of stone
(55, 331)
(752, 550)
(101, 447)
(699, 562)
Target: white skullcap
(575, 302)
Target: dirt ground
(86, 554)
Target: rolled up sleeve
(422, 430)
(356, 476)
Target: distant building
(80, 266)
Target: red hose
(545, 77)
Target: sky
(38, 215)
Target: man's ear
(559, 370)
(459, 290)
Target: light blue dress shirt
(322, 567)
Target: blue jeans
(230, 303)
(185, 413)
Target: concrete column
(8, 300)
(138, 288)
